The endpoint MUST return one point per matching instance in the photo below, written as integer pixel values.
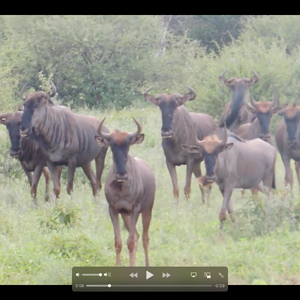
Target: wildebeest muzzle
(167, 134)
(121, 177)
(210, 178)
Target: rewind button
(133, 275)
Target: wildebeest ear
(226, 147)
(137, 139)
(250, 108)
(4, 117)
(101, 141)
(279, 109)
(191, 149)
(151, 99)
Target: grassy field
(40, 246)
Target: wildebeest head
(264, 110)
(12, 121)
(235, 83)
(119, 143)
(31, 103)
(209, 147)
(238, 87)
(291, 117)
(168, 104)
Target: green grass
(40, 246)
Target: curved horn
(224, 80)
(101, 133)
(139, 129)
(148, 90)
(22, 92)
(275, 101)
(224, 139)
(222, 75)
(255, 78)
(195, 137)
(53, 90)
(252, 101)
(192, 92)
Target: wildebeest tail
(273, 181)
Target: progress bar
(148, 285)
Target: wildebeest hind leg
(71, 173)
(92, 178)
(146, 218)
(47, 180)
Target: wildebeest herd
(237, 152)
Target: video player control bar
(150, 279)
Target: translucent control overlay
(107, 279)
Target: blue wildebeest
(177, 123)
(260, 127)
(287, 137)
(245, 164)
(235, 113)
(66, 138)
(129, 189)
(28, 152)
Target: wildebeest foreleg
(100, 159)
(189, 171)
(173, 174)
(28, 174)
(118, 241)
(71, 173)
(288, 172)
(226, 198)
(197, 172)
(133, 236)
(35, 180)
(55, 175)
(47, 180)
(92, 178)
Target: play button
(148, 275)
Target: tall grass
(41, 245)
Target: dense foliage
(107, 61)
